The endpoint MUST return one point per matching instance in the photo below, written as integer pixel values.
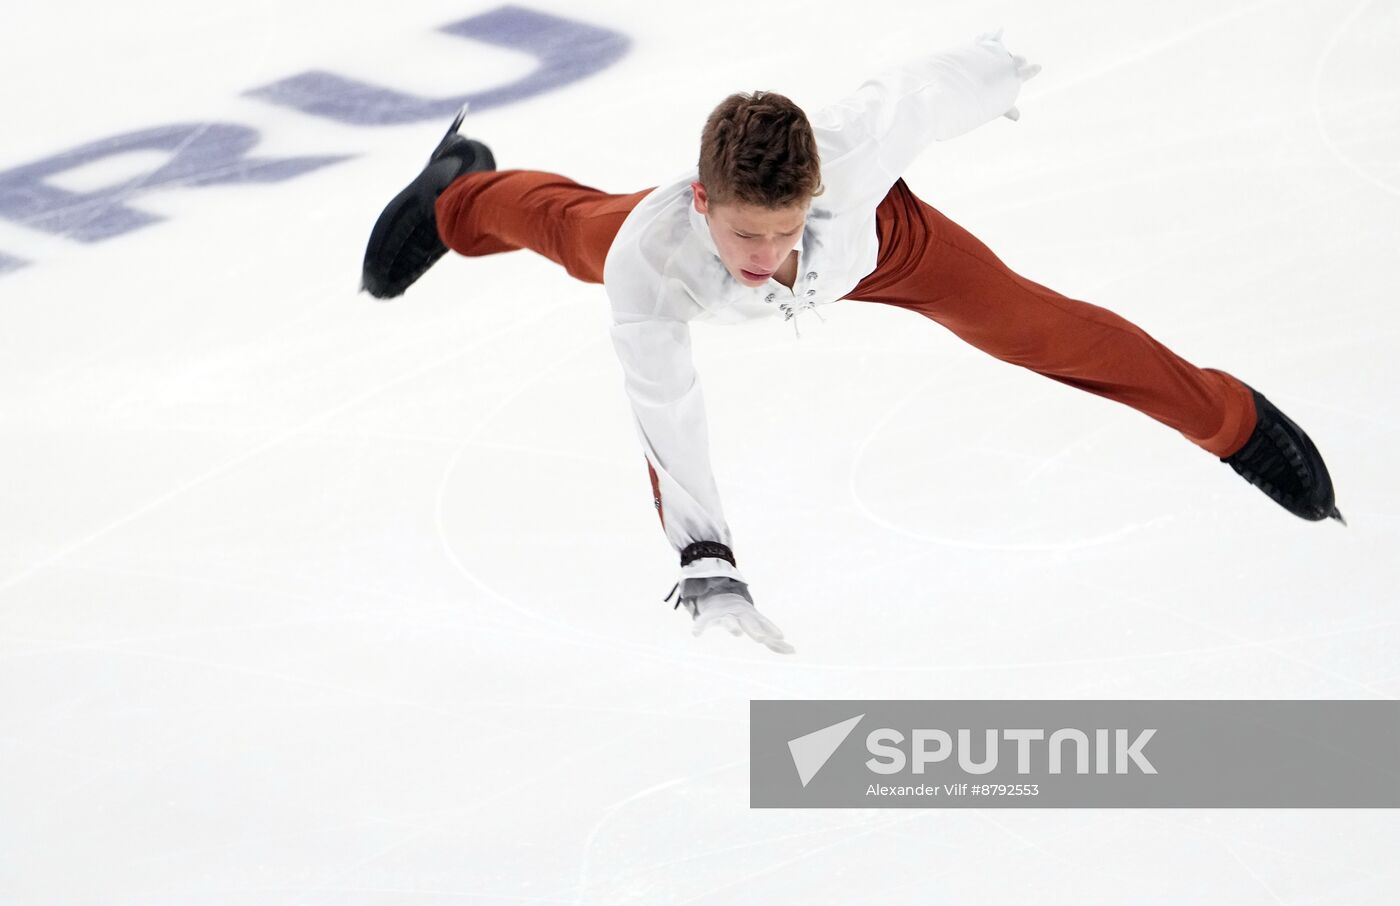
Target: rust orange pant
(927, 264)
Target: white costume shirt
(663, 270)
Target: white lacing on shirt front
(792, 309)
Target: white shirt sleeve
(871, 137)
(669, 411)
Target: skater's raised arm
(872, 136)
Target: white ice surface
(310, 599)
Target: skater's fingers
(756, 624)
(776, 644)
(765, 632)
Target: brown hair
(758, 148)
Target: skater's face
(753, 241)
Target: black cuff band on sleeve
(702, 549)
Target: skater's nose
(766, 258)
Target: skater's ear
(702, 199)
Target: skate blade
(451, 131)
(457, 122)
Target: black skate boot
(1280, 460)
(404, 242)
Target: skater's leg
(501, 211)
(932, 266)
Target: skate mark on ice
(1316, 97)
(258, 450)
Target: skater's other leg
(930, 265)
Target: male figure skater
(783, 214)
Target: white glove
(1024, 71)
(725, 603)
(739, 617)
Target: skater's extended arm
(669, 411)
(880, 130)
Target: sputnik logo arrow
(811, 752)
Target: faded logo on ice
(196, 154)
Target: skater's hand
(1024, 71)
(735, 614)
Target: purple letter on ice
(201, 154)
(566, 50)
